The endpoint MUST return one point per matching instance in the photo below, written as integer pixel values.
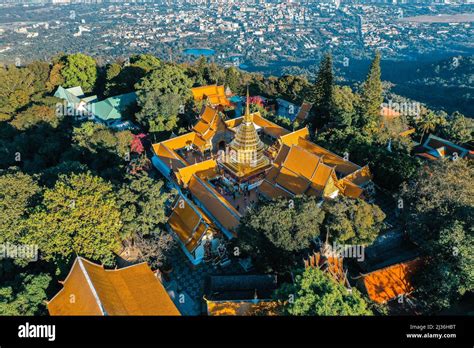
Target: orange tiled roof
(215, 203)
(330, 158)
(321, 176)
(171, 159)
(293, 137)
(304, 167)
(360, 176)
(215, 94)
(242, 308)
(268, 127)
(387, 283)
(189, 223)
(389, 113)
(301, 162)
(299, 171)
(351, 189)
(207, 169)
(180, 141)
(209, 124)
(89, 289)
(291, 181)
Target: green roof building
(111, 109)
(74, 95)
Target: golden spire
(247, 117)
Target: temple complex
(223, 166)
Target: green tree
(96, 137)
(55, 78)
(160, 112)
(273, 233)
(142, 203)
(41, 71)
(232, 79)
(315, 293)
(458, 128)
(103, 150)
(427, 123)
(371, 96)
(79, 70)
(16, 89)
(18, 193)
(34, 115)
(121, 77)
(322, 94)
(343, 111)
(442, 283)
(166, 85)
(352, 221)
(146, 62)
(292, 87)
(438, 214)
(112, 73)
(78, 216)
(25, 295)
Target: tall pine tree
(371, 96)
(322, 94)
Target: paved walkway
(188, 281)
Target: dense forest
(75, 187)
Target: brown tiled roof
(304, 111)
(271, 191)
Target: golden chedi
(245, 154)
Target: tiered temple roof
(89, 289)
(302, 167)
(214, 94)
(208, 125)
